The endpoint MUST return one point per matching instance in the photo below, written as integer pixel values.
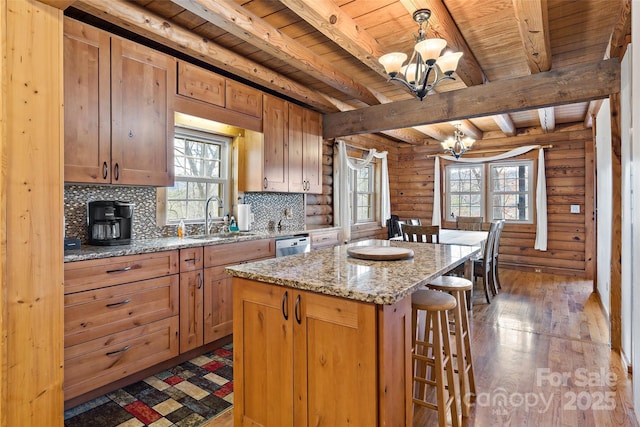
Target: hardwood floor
(541, 358)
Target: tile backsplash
(266, 208)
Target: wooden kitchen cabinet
(191, 310)
(120, 316)
(275, 146)
(314, 356)
(321, 239)
(200, 84)
(305, 150)
(118, 109)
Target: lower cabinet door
(218, 304)
(263, 354)
(191, 292)
(335, 357)
(101, 361)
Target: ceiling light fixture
(424, 60)
(457, 144)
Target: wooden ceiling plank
(58, 4)
(547, 119)
(142, 22)
(326, 17)
(505, 123)
(533, 23)
(470, 130)
(618, 41)
(555, 87)
(442, 25)
(243, 24)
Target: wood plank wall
(569, 250)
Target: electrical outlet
(287, 213)
(575, 209)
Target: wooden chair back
(469, 223)
(421, 233)
(496, 238)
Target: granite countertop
(142, 246)
(333, 272)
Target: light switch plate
(575, 208)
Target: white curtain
(341, 183)
(541, 188)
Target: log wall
(568, 165)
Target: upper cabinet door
(275, 123)
(312, 151)
(142, 88)
(297, 182)
(87, 136)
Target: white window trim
(225, 170)
(447, 188)
(355, 193)
(530, 192)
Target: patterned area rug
(184, 396)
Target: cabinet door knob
(130, 134)
(285, 311)
(266, 183)
(297, 311)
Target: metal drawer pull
(116, 304)
(200, 281)
(120, 270)
(297, 311)
(122, 350)
(192, 259)
(285, 312)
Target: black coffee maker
(110, 222)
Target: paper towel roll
(244, 217)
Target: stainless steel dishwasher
(292, 245)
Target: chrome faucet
(206, 212)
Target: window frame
(530, 193)
(354, 193)
(225, 143)
(447, 187)
(486, 202)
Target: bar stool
(431, 348)
(458, 287)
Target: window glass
(201, 167)
(363, 194)
(511, 191)
(464, 195)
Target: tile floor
(184, 396)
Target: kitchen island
(324, 339)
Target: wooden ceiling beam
(58, 4)
(556, 87)
(505, 123)
(471, 130)
(534, 32)
(547, 119)
(236, 20)
(140, 21)
(442, 25)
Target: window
(363, 194)
(201, 165)
(508, 194)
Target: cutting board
(380, 253)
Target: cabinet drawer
(96, 313)
(243, 99)
(191, 259)
(323, 239)
(101, 361)
(235, 253)
(98, 273)
(198, 83)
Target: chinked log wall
(319, 207)
(569, 174)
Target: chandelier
(424, 61)
(458, 144)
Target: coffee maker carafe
(109, 222)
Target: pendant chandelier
(426, 68)
(458, 144)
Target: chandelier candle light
(458, 144)
(424, 60)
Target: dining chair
(496, 246)
(415, 221)
(483, 267)
(469, 223)
(421, 233)
(393, 227)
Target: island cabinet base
(307, 359)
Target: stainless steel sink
(220, 236)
